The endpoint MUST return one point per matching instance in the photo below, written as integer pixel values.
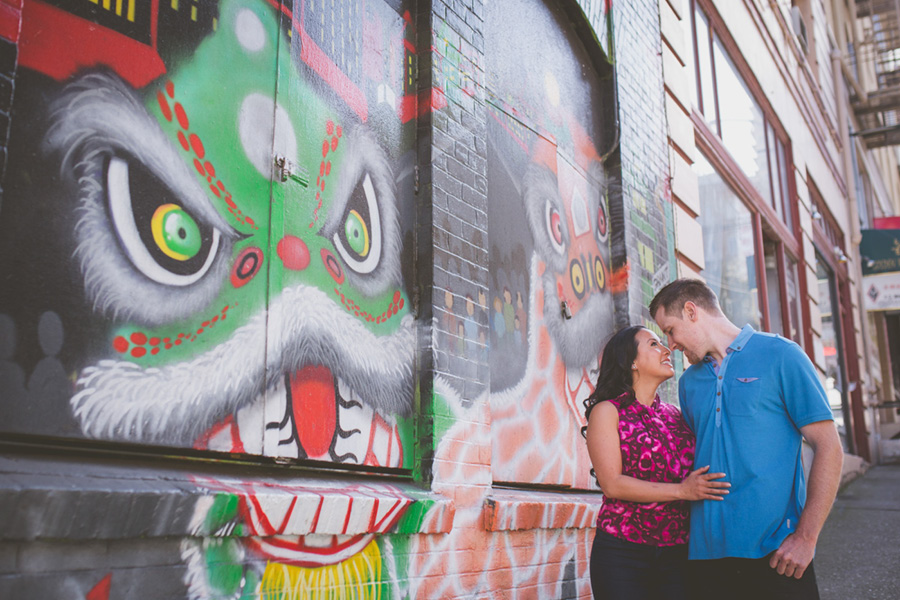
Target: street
(858, 557)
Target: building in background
(782, 126)
(302, 299)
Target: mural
(204, 222)
(192, 292)
(551, 306)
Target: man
(749, 397)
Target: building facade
(779, 128)
(302, 299)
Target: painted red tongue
(315, 413)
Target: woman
(642, 452)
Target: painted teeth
(354, 425)
(278, 436)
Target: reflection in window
(743, 125)
(793, 301)
(834, 378)
(707, 99)
(728, 246)
(729, 108)
(773, 289)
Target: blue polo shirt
(747, 416)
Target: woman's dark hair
(615, 370)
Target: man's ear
(689, 311)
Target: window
(731, 111)
(750, 244)
(832, 349)
(728, 245)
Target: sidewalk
(858, 555)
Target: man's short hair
(674, 295)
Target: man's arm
(797, 550)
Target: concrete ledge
(43, 498)
(509, 510)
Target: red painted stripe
(57, 44)
(312, 55)
(265, 527)
(315, 521)
(347, 518)
(9, 22)
(287, 516)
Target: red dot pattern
(395, 306)
(332, 134)
(138, 345)
(192, 143)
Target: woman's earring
(634, 367)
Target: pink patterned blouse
(657, 446)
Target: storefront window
(743, 124)
(831, 347)
(728, 246)
(773, 288)
(793, 302)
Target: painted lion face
(236, 233)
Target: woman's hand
(700, 485)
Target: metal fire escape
(877, 102)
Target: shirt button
(720, 377)
(718, 409)
(718, 393)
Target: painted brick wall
(649, 239)
(100, 526)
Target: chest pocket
(744, 396)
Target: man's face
(683, 333)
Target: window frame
(767, 223)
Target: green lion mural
(206, 223)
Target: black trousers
(748, 579)
(623, 570)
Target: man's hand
(793, 556)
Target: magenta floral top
(657, 446)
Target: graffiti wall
(551, 283)
(207, 230)
(204, 226)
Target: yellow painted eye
(599, 273)
(175, 232)
(577, 275)
(357, 234)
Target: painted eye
(358, 242)
(602, 222)
(554, 227)
(164, 241)
(599, 272)
(175, 232)
(577, 275)
(356, 233)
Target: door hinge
(285, 169)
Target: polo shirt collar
(736, 346)
(741, 340)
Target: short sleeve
(801, 391)
(685, 406)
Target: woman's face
(653, 358)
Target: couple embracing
(711, 502)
